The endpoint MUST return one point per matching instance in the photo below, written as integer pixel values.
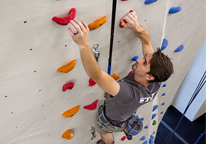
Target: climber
(125, 96)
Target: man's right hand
(132, 21)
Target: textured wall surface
(33, 47)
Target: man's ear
(150, 77)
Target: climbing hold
(123, 138)
(154, 122)
(124, 0)
(137, 116)
(142, 119)
(68, 67)
(144, 142)
(164, 85)
(146, 127)
(151, 141)
(97, 23)
(91, 82)
(121, 26)
(153, 115)
(164, 44)
(155, 107)
(65, 20)
(151, 137)
(149, 1)
(180, 48)
(173, 72)
(163, 103)
(143, 138)
(153, 132)
(161, 113)
(131, 72)
(135, 58)
(68, 134)
(71, 112)
(66, 86)
(163, 94)
(175, 10)
(92, 106)
(115, 76)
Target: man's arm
(105, 81)
(139, 30)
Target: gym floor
(187, 132)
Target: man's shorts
(104, 129)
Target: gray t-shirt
(130, 97)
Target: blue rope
(199, 87)
(200, 137)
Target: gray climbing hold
(164, 44)
(164, 85)
(135, 58)
(163, 94)
(143, 138)
(146, 127)
(174, 10)
(153, 115)
(155, 107)
(180, 48)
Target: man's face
(142, 66)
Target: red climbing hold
(91, 82)
(131, 72)
(123, 138)
(92, 106)
(124, 21)
(65, 20)
(66, 86)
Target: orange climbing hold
(68, 134)
(71, 112)
(115, 76)
(97, 23)
(68, 67)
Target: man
(134, 90)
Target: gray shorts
(104, 129)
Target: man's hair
(161, 67)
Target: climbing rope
(199, 87)
(200, 137)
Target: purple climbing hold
(164, 85)
(153, 115)
(135, 58)
(175, 10)
(143, 138)
(146, 127)
(180, 48)
(163, 103)
(149, 1)
(142, 119)
(161, 113)
(164, 44)
(155, 107)
(144, 142)
(163, 94)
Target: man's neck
(141, 80)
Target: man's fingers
(131, 17)
(76, 26)
(134, 14)
(80, 25)
(72, 28)
(123, 23)
(86, 26)
(127, 19)
(70, 32)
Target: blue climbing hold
(153, 115)
(144, 142)
(143, 138)
(137, 116)
(151, 137)
(164, 85)
(180, 48)
(163, 103)
(151, 141)
(163, 94)
(149, 1)
(135, 58)
(142, 119)
(164, 44)
(175, 10)
(173, 72)
(155, 107)
(146, 127)
(161, 113)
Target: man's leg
(107, 138)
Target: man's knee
(107, 138)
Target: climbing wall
(33, 47)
